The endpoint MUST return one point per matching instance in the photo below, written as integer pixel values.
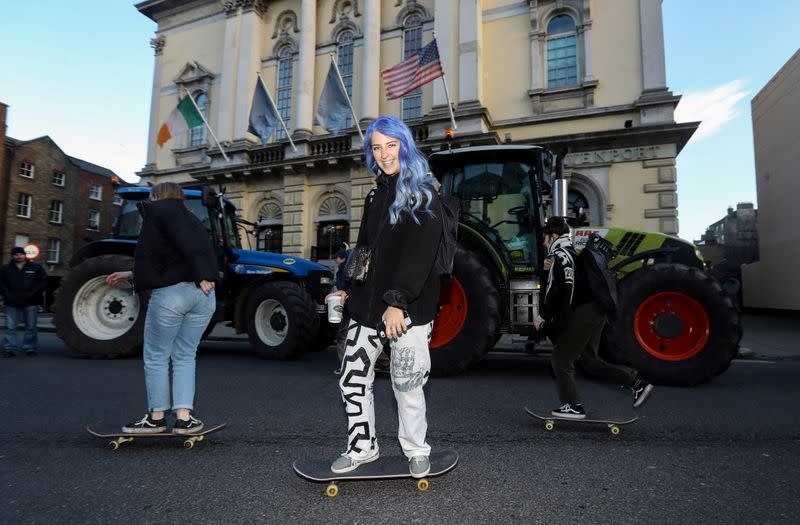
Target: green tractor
(675, 323)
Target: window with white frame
(56, 212)
(59, 179)
(285, 76)
(21, 239)
(24, 205)
(95, 192)
(562, 55)
(117, 200)
(412, 42)
(93, 220)
(198, 133)
(53, 251)
(344, 59)
(26, 170)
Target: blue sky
(81, 72)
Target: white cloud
(714, 107)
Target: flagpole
(207, 126)
(446, 91)
(352, 111)
(274, 108)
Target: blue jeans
(14, 316)
(176, 318)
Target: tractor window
(496, 199)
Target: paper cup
(335, 309)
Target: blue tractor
(276, 299)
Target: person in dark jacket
(574, 320)
(402, 226)
(175, 260)
(21, 285)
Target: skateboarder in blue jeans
(176, 260)
(575, 321)
(403, 233)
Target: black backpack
(594, 259)
(448, 245)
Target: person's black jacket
(401, 271)
(22, 287)
(173, 247)
(566, 290)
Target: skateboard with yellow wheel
(118, 438)
(611, 422)
(385, 467)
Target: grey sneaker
(419, 466)
(641, 390)
(345, 463)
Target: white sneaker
(345, 463)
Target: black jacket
(22, 287)
(401, 271)
(173, 247)
(566, 287)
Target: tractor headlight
(326, 280)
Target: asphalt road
(725, 452)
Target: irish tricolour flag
(183, 118)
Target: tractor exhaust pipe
(559, 204)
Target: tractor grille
(630, 243)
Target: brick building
(51, 199)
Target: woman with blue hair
(401, 228)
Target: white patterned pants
(410, 368)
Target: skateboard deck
(118, 437)
(612, 422)
(385, 467)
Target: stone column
(444, 23)
(651, 27)
(158, 46)
(304, 92)
(537, 37)
(228, 76)
(370, 63)
(585, 31)
(247, 65)
(470, 87)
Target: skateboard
(385, 467)
(118, 437)
(613, 423)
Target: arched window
(284, 93)
(344, 59)
(412, 42)
(333, 228)
(578, 209)
(197, 135)
(269, 228)
(562, 58)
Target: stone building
(581, 74)
(774, 281)
(46, 199)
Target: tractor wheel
(96, 320)
(281, 320)
(675, 324)
(468, 322)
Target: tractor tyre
(468, 323)
(96, 320)
(281, 320)
(675, 325)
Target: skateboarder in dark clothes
(21, 285)
(575, 322)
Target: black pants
(581, 340)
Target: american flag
(418, 69)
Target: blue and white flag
(333, 109)
(263, 118)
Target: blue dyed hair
(414, 180)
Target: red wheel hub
(452, 313)
(671, 326)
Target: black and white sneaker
(570, 411)
(641, 391)
(187, 426)
(146, 425)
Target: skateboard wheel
(331, 490)
(423, 485)
(113, 444)
(189, 443)
(615, 430)
(549, 425)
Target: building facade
(46, 201)
(584, 75)
(774, 282)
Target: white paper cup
(335, 309)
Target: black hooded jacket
(401, 271)
(173, 247)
